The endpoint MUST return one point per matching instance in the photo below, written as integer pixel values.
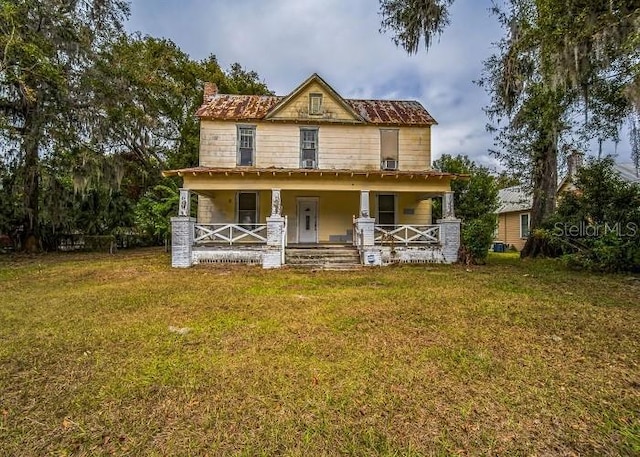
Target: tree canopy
(90, 115)
(566, 72)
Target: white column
(276, 203)
(448, 210)
(182, 233)
(364, 203)
(365, 227)
(450, 238)
(184, 209)
(272, 257)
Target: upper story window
(246, 145)
(315, 103)
(389, 149)
(308, 147)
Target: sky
(285, 41)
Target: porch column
(448, 210)
(182, 232)
(449, 229)
(365, 228)
(184, 209)
(365, 224)
(273, 256)
(276, 203)
(364, 203)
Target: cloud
(287, 40)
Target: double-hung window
(389, 149)
(308, 147)
(247, 205)
(315, 104)
(246, 145)
(524, 225)
(386, 209)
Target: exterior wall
(298, 107)
(350, 147)
(407, 203)
(220, 207)
(335, 210)
(509, 229)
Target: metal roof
(514, 199)
(256, 107)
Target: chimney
(574, 162)
(210, 90)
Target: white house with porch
(313, 172)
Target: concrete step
(333, 257)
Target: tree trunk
(30, 239)
(545, 183)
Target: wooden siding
(509, 229)
(335, 210)
(298, 107)
(355, 147)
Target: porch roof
(313, 172)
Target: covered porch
(252, 216)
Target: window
(315, 103)
(308, 147)
(524, 225)
(386, 209)
(389, 149)
(247, 208)
(246, 145)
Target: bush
(598, 227)
(476, 239)
(475, 202)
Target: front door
(307, 221)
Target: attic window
(315, 103)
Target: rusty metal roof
(392, 112)
(237, 107)
(256, 107)
(251, 171)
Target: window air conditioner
(389, 164)
(308, 163)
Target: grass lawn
(511, 358)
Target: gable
(296, 106)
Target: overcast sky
(285, 41)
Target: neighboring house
(515, 203)
(513, 216)
(308, 169)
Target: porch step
(326, 257)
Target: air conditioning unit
(308, 163)
(389, 164)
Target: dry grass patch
(121, 355)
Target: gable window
(386, 209)
(389, 149)
(246, 145)
(308, 148)
(247, 208)
(315, 103)
(524, 225)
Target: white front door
(307, 221)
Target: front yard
(123, 355)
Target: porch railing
(407, 234)
(230, 233)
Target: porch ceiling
(207, 178)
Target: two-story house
(313, 168)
